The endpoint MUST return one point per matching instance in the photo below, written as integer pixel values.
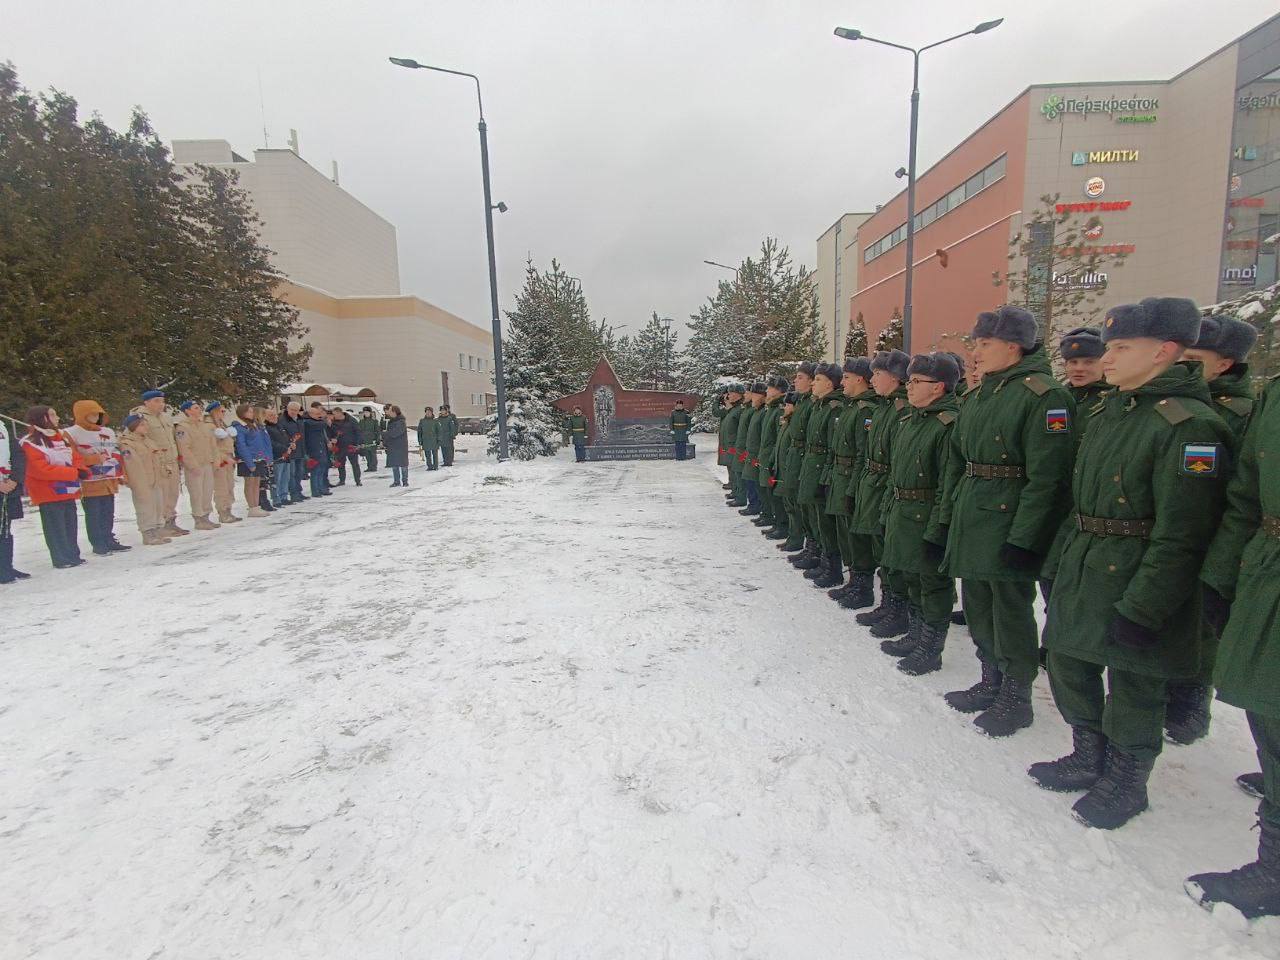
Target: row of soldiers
(1135, 494)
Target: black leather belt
(845, 461)
(1109, 527)
(994, 471)
(798, 444)
(874, 467)
(914, 493)
(818, 448)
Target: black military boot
(810, 559)
(1186, 715)
(833, 575)
(871, 617)
(1251, 783)
(1011, 710)
(958, 618)
(927, 656)
(1253, 889)
(1119, 796)
(726, 486)
(750, 511)
(861, 592)
(844, 587)
(820, 571)
(902, 647)
(777, 533)
(1078, 770)
(894, 623)
(763, 521)
(981, 695)
(794, 542)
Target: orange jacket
(54, 468)
(97, 446)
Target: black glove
(1217, 609)
(822, 491)
(1125, 633)
(934, 553)
(1018, 558)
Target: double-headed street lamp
(489, 207)
(845, 33)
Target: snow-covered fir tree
(890, 338)
(855, 341)
(652, 360)
(533, 425)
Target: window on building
(471, 362)
(462, 361)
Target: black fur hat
(807, 367)
(1227, 337)
(735, 388)
(936, 366)
(831, 371)
(778, 383)
(1082, 342)
(758, 387)
(1162, 318)
(892, 362)
(858, 366)
(791, 397)
(1009, 323)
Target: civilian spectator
(370, 433)
(11, 474)
(395, 440)
(346, 445)
(54, 473)
(281, 458)
(96, 443)
(315, 434)
(253, 456)
(293, 424)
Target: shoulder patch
(946, 418)
(1039, 384)
(1200, 459)
(1240, 406)
(866, 422)
(1173, 411)
(1057, 420)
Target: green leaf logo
(1052, 108)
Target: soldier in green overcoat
(770, 508)
(446, 432)
(750, 455)
(847, 451)
(576, 427)
(918, 455)
(1223, 351)
(1007, 491)
(888, 379)
(740, 446)
(428, 438)
(781, 496)
(681, 423)
(801, 538)
(729, 438)
(1241, 576)
(815, 472)
(1148, 492)
(1081, 350)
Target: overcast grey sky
(631, 140)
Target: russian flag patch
(1057, 421)
(1200, 459)
(866, 423)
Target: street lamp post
(499, 383)
(722, 266)
(845, 33)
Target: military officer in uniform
(888, 379)
(577, 428)
(749, 457)
(783, 502)
(1148, 492)
(801, 537)
(681, 424)
(741, 496)
(919, 453)
(1222, 350)
(775, 389)
(1241, 576)
(1006, 493)
(724, 412)
(847, 451)
(160, 430)
(815, 473)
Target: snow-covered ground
(576, 711)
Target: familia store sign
(1119, 109)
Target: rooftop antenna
(262, 103)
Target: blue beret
(186, 405)
(212, 406)
(131, 420)
(152, 395)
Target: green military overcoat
(1019, 420)
(817, 447)
(848, 448)
(768, 455)
(919, 453)
(1157, 454)
(793, 456)
(868, 501)
(728, 435)
(1243, 564)
(1233, 399)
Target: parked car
(479, 425)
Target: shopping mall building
(1182, 176)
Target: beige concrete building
(837, 278)
(340, 267)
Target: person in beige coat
(224, 470)
(198, 453)
(160, 429)
(145, 470)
